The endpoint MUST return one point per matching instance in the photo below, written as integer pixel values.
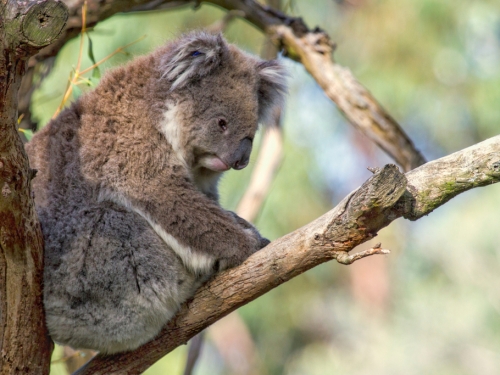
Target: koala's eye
(222, 124)
(196, 53)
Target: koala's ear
(272, 88)
(194, 56)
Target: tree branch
(25, 347)
(313, 48)
(386, 196)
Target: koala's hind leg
(114, 283)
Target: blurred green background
(433, 305)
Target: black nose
(242, 155)
(240, 164)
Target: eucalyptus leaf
(95, 72)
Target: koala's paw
(257, 241)
(253, 243)
(264, 242)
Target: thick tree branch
(440, 180)
(25, 347)
(312, 48)
(352, 98)
(386, 196)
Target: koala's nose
(239, 164)
(242, 154)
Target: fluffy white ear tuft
(272, 88)
(195, 55)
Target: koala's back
(110, 283)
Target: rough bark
(386, 196)
(313, 48)
(25, 347)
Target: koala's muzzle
(241, 156)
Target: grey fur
(127, 189)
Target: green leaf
(77, 92)
(95, 72)
(27, 133)
(93, 81)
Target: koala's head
(219, 96)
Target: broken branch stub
(366, 211)
(34, 24)
(347, 259)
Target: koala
(126, 190)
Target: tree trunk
(25, 346)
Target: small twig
(76, 77)
(82, 35)
(344, 257)
(69, 86)
(118, 50)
